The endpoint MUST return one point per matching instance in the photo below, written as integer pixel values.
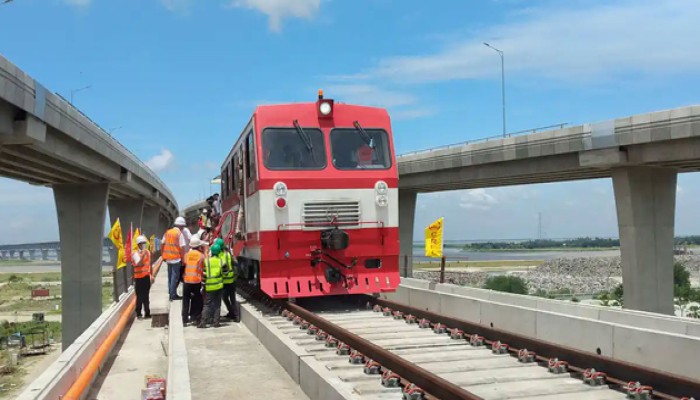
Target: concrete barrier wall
(314, 379)
(639, 319)
(622, 334)
(58, 378)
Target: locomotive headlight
(382, 200)
(280, 189)
(381, 187)
(325, 108)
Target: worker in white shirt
(173, 252)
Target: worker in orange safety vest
(143, 277)
(173, 252)
(192, 301)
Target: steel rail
(434, 386)
(665, 385)
(427, 381)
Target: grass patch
(15, 262)
(31, 277)
(478, 264)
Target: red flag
(127, 246)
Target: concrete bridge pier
(4, 255)
(58, 254)
(129, 213)
(21, 254)
(81, 218)
(407, 215)
(646, 203)
(44, 254)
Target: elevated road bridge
(46, 141)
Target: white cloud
(162, 161)
(573, 43)
(277, 10)
(478, 199)
(181, 6)
(78, 3)
(403, 105)
(370, 95)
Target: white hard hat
(141, 239)
(204, 211)
(195, 242)
(179, 221)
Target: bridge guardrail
(486, 139)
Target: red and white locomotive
(316, 189)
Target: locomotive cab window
(360, 149)
(293, 149)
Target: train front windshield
(305, 149)
(291, 149)
(360, 149)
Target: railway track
(385, 350)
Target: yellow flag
(134, 245)
(115, 235)
(152, 243)
(433, 239)
(121, 257)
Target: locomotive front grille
(317, 214)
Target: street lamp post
(74, 91)
(503, 84)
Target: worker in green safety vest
(229, 274)
(214, 287)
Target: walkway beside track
(229, 362)
(141, 352)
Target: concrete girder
(18, 164)
(645, 198)
(41, 159)
(81, 216)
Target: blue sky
(176, 80)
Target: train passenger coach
(316, 189)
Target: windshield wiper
(365, 136)
(304, 137)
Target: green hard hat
(215, 250)
(219, 242)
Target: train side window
(236, 177)
(250, 159)
(231, 174)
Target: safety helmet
(204, 211)
(179, 221)
(215, 250)
(196, 242)
(219, 242)
(141, 239)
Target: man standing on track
(143, 277)
(173, 252)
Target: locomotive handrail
(329, 223)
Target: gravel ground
(580, 274)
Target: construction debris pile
(585, 275)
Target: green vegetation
(479, 264)
(31, 277)
(585, 243)
(506, 283)
(9, 328)
(682, 292)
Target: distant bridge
(36, 251)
